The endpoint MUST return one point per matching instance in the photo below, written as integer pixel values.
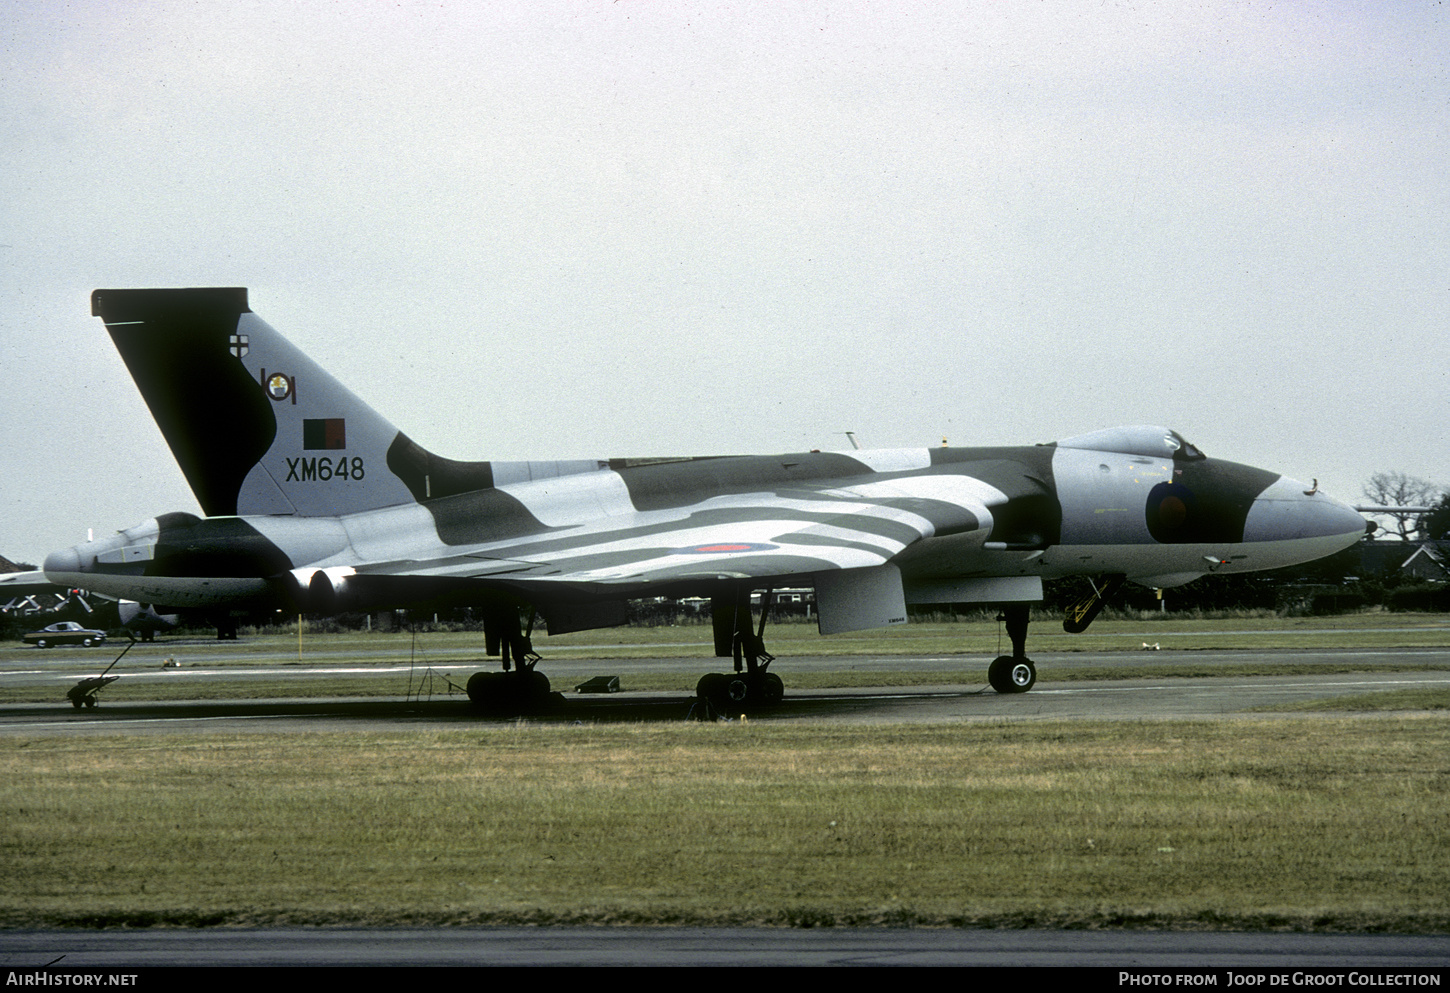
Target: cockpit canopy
(1137, 439)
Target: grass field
(1326, 822)
(1321, 823)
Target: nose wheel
(1009, 674)
(1014, 673)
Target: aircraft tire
(481, 688)
(504, 692)
(772, 689)
(1012, 675)
(737, 691)
(532, 693)
(728, 694)
(709, 686)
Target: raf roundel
(716, 548)
(1171, 514)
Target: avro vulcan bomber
(314, 502)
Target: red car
(65, 633)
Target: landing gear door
(857, 599)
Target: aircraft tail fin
(256, 426)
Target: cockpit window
(1139, 439)
(1186, 448)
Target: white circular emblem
(279, 386)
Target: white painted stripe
(892, 459)
(574, 500)
(964, 491)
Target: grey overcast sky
(537, 230)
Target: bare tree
(1436, 524)
(1386, 490)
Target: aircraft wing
(751, 535)
(28, 584)
(800, 531)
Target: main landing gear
(750, 686)
(519, 688)
(737, 692)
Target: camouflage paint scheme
(315, 501)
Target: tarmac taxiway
(1151, 698)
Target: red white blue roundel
(725, 548)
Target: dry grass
(1314, 824)
(1381, 700)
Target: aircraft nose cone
(1290, 509)
(66, 560)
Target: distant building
(1424, 560)
(1428, 562)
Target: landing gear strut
(1014, 673)
(519, 688)
(750, 685)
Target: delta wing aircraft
(316, 503)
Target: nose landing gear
(1014, 673)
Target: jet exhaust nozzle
(321, 591)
